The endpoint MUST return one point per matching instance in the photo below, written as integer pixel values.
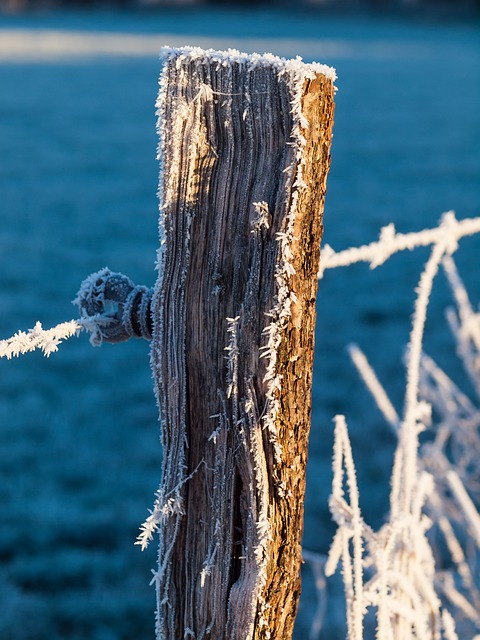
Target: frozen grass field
(80, 453)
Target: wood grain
(237, 281)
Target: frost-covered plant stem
(405, 471)
(465, 326)
(404, 583)
(351, 526)
(374, 386)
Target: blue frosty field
(79, 449)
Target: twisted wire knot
(114, 309)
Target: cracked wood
(245, 149)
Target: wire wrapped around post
(114, 309)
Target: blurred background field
(79, 448)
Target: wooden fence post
(245, 151)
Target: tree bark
(245, 151)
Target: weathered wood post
(245, 151)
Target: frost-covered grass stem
(374, 386)
(349, 518)
(434, 486)
(413, 411)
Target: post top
(295, 67)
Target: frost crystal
(47, 340)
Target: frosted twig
(38, 338)
(449, 231)
(469, 319)
(418, 328)
(457, 599)
(455, 548)
(448, 626)
(465, 326)
(374, 386)
(464, 348)
(408, 445)
(350, 521)
(465, 502)
(449, 397)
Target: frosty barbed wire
(390, 242)
(112, 309)
(47, 340)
